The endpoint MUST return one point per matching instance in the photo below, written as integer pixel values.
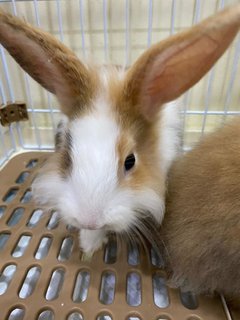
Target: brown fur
(147, 172)
(65, 155)
(201, 229)
(174, 65)
(49, 62)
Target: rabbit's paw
(90, 241)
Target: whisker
(166, 253)
(119, 242)
(132, 237)
(125, 236)
(142, 240)
(148, 231)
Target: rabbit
(201, 227)
(121, 128)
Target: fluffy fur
(201, 229)
(111, 114)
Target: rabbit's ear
(169, 68)
(48, 61)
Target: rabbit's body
(201, 229)
(114, 150)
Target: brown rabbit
(201, 229)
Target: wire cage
(42, 275)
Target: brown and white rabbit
(201, 227)
(120, 137)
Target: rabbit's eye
(129, 162)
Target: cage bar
(105, 28)
(150, 17)
(81, 12)
(127, 32)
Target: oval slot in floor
(134, 294)
(35, 218)
(53, 221)
(46, 315)
(110, 254)
(26, 197)
(32, 163)
(17, 314)
(21, 246)
(55, 284)
(2, 210)
(66, 249)
(81, 286)
(29, 282)
(15, 217)
(188, 299)
(160, 293)
(104, 317)
(75, 316)
(22, 177)
(3, 239)
(11, 194)
(107, 290)
(43, 248)
(133, 254)
(6, 277)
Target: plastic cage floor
(43, 277)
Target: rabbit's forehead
(96, 135)
(93, 147)
(94, 131)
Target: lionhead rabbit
(109, 170)
(201, 228)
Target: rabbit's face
(111, 169)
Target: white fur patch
(169, 134)
(94, 167)
(127, 205)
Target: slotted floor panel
(42, 275)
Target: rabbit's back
(202, 222)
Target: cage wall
(117, 32)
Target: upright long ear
(171, 67)
(48, 61)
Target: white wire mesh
(117, 32)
